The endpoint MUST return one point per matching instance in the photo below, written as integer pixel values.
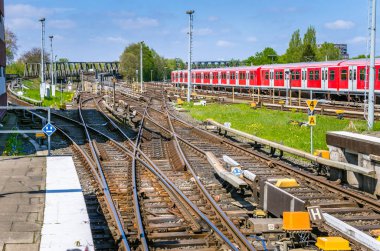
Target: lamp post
(371, 94)
(141, 66)
(42, 86)
(51, 67)
(190, 13)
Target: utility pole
(51, 67)
(371, 94)
(141, 66)
(42, 86)
(190, 13)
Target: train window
(252, 75)
(237, 76)
(303, 75)
(241, 75)
(267, 75)
(354, 74)
(281, 75)
(343, 75)
(185, 75)
(362, 75)
(378, 74)
(316, 75)
(247, 75)
(325, 74)
(350, 77)
(297, 73)
(332, 75)
(311, 75)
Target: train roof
(292, 65)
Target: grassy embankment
(275, 125)
(34, 93)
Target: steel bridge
(70, 69)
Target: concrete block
(17, 237)
(21, 247)
(26, 227)
(6, 217)
(34, 208)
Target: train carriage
(344, 76)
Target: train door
(202, 77)
(324, 78)
(247, 78)
(219, 78)
(287, 78)
(303, 77)
(271, 77)
(353, 79)
(228, 78)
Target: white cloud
(339, 25)
(252, 39)
(110, 39)
(213, 18)
(62, 24)
(25, 10)
(224, 43)
(137, 23)
(119, 40)
(22, 23)
(357, 40)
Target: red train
(348, 76)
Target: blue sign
(49, 129)
(236, 171)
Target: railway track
(346, 110)
(161, 134)
(161, 206)
(353, 208)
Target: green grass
(34, 93)
(275, 125)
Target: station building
(3, 94)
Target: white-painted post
(371, 94)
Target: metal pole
(51, 67)
(49, 135)
(311, 140)
(141, 66)
(151, 75)
(371, 94)
(114, 83)
(42, 20)
(190, 13)
(82, 86)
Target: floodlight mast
(371, 93)
(190, 13)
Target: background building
(342, 48)
(3, 95)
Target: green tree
(10, 45)
(267, 56)
(328, 51)
(308, 53)
(309, 50)
(360, 56)
(15, 68)
(294, 51)
(63, 60)
(34, 56)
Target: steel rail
(162, 177)
(152, 167)
(104, 182)
(237, 235)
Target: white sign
(227, 124)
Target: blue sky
(99, 30)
